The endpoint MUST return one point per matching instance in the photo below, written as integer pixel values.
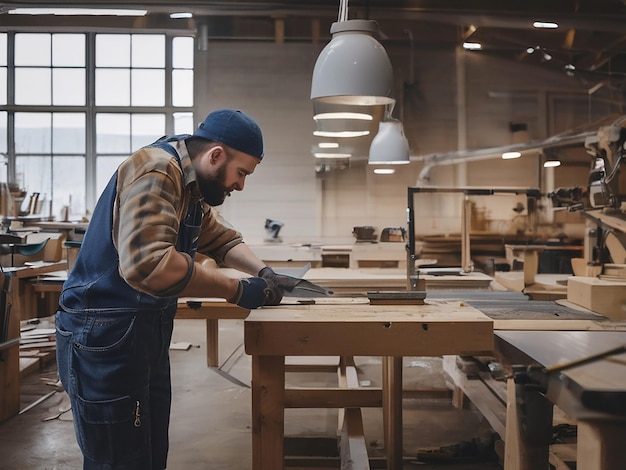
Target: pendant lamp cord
(343, 10)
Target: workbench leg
(600, 445)
(523, 451)
(212, 343)
(268, 412)
(392, 411)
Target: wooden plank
(520, 453)
(9, 382)
(353, 446)
(392, 411)
(28, 365)
(333, 397)
(599, 295)
(559, 325)
(268, 379)
(309, 330)
(600, 445)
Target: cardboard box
(607, 298)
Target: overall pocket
(104, 359)
(111, 431)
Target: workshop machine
(601, 201)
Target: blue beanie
(233, 128)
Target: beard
(213, 189)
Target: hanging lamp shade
(354, 67)
(390, 146)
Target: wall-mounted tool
(272, 227)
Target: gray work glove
(255, 292)
(285, 283)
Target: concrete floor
(210, 425)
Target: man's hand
(285, 283)
(255, 292)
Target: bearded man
(116, 311)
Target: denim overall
(113, 348)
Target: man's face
(226, 173)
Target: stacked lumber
(37, 348)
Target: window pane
(68, 50)
(112, 87)
(148, 88)
(182, 87)
(37, 175)
(68, 133)
(68, 87)
(105, 167)
(183, 123)
(113, 133)
(32, 86)
(3, 85)
(113, 50)
(148, 50)
(33, 132)
(182, 53)
(3, 49)
(32, 49)
(3, 133)
(146, 129)
(68, 176)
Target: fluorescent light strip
(77, 11)
(181, 15)
(510, 155)
(332, 155)
(343, 115)
(472, 46)
(551, 163)
(545, 25)
(328, 145)
(384, 171)
(389, 162)
(340, 133)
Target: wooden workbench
(21, 299)
(591, 393)
(271, 334)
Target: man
(117, 307)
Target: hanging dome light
(389, 146)
(354, 67)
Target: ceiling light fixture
(472, 46)
(77, 11)
(510, 155)
(545, 25)
(354, 67)
(181, 15)
(332, 155)
(384, 171)
(389, 146)
(344, 115)
(340, 133)
(328, 145)
(551, 163)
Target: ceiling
(590, 41)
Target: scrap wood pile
(37, 348)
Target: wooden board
(346, 330)
(599, 295)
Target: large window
(77, 105)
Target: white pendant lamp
(354, 67)
(390, 146)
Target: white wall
(272, 83)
